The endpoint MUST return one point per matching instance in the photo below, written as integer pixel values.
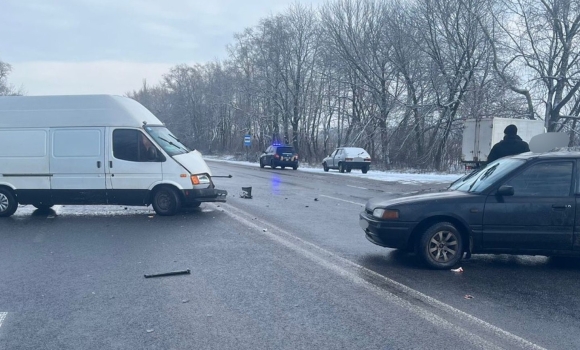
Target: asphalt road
(288, 269)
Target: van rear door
(77, 165)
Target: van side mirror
(505, 191)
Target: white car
(348, 158)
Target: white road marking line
(344, 200)
(362, 188)
(2, 317)
(324, 256)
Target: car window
(489, 175)
(549, 179)
(281, 150)
(357, 152)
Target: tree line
(397, 78)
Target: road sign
(247, 140)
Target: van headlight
(200, 179)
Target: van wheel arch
(166, 199)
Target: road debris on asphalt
(468, 296)
(246, 193)
(459, 269)
(174, 273)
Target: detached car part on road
(95, 149)
(346, 159)
(525, 204)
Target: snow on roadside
(388, 176)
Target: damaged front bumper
(204, 195)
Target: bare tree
(5, 88)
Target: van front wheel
(166, 201)
(8, 203)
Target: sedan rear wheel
(365, 169)
(441, 246)
(340, 168)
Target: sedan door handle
(561, 206)
(99, 164)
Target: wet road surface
(287, 269)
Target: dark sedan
(524, 204)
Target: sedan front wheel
(441, 246)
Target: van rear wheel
(166, 201)
(8, 203)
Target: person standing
(511, 145)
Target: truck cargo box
(479, 135)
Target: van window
(133, 146)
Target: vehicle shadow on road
(393, 258)
(504, 262)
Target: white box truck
(480, 135)
(95, 149)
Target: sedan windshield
(166, 140)
(484, 178)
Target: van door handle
(561, 206)
(110, 164)
(99, 164)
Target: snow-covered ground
(389, 176)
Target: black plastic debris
(174, 273)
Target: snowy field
(388, 176)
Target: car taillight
(276, 156)
(347, 159)
(296, 157)
(367, 159)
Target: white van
(95, 149)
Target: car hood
(193, 162)
(384, 201)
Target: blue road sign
(247, 140)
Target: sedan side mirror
(505, 191)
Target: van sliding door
(77, 165)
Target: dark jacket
(509, 146)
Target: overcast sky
(110, 46)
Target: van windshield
(164, 138)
